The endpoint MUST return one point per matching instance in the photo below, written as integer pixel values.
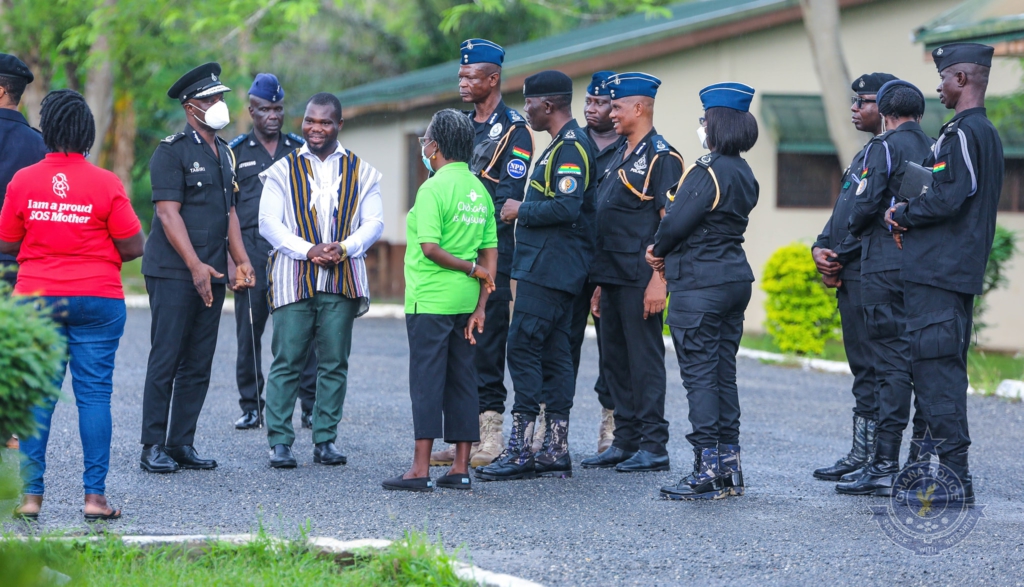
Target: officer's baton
(255, 359)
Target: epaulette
(707, 160)
(515, 117)
(296, 138)
(660, 144)
(952, 126)
(570, 135)
(237, 141)
(173, 138)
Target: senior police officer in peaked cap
(501, 159)
(254, 153)
(20, 144)
(554, 245)
(946, 233)
(185, 265)
(631, 201)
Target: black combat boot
(878, 478)
(516, 461)
(553, 460)
(730, 468)
(859, 455)
(705, 481)
(952, 493)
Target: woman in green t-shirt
(450, 257)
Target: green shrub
(31, 354)
(801, 312)
(1004, 246)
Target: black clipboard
(917, 181)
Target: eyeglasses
(424, 141)
(859, 101)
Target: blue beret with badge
(11, 66)
(954, 53)
(634, 83)
(267, 87)
(481, 51)
(201, 82)
(732, 95)
(598, 83)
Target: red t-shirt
(66, 213)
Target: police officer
(554, 245)
(597, 109)
(946, 236)
(20, 144)
(501, 158)
(846, 278)
(631, 201)
(880, 178)
(254, 153)
(186, 258)
(699, 250)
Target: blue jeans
(93, 328)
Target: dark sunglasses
(859, 102)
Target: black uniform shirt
(701, 239)
(555, 230)
(606, 155)
(881, 179)
(506, 177)
(838, 226)
(20, 146)
(951, 227)
(184, 169)
(251, 159)
(626, 223)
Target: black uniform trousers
(939, 328)
(539, 353)
(633, 363)
(706, 326)
(183, 335)
(885, 313)
(577, 332)
(490, 348)
(442, 380)
(249, 364)
(859, 350)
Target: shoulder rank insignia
(294, 137)
(660, 144)
(571, 135)
(236, 141)
(172, 138)
(705, 161)
(514, 116)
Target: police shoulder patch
(567, 185)
(707, 160)
(660, 144)
(296, 138)
(237, 141)
(173, 138)
(516, 168)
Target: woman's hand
(476, 320)
(485, 278)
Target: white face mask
(217, 116)
(703, 136)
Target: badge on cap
(862, 82)
(939, 52)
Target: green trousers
(327, 319)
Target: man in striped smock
(320, 211)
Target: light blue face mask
(426, 160)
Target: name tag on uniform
(246, 164)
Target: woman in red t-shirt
(71, 225)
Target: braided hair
(453, 133)
(67, 122)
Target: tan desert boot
(492, 441)
(538, 432)
(606, 432)
(443, 458)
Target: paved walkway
(598, 528)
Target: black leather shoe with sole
(608, 459)
(281, 457)
(642, 462)
(325, 453)
(250, 419)
(187, 458)
(156, 460)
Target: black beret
(547, 83)
(11, 66)
(201, 82)
(954, 53)
(870, 83)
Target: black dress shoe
(155, 460)
(455, 482)
(326, 454)
(281, 457)
(643, 461)
(249, 419)
(414, 484)
(306, 420)
(187, 458)
(607, 459)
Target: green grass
(414, 560)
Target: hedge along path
(802, 314)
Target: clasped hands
(826, 264)
(327, 254)
(897, 230)
(510, 210)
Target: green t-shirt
(453, 210)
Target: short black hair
(730, 132)
(453, 133)
(327, 99)
(901, 102)
(559, 101)
(14, 86)
(67, 122)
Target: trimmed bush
(801, 312)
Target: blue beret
(954, 53)
(634, 83)
(727, 95)
(267, 87)
(481, 51)
(597, 85)
(892, 84)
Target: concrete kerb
(341, 550)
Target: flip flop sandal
(113, 515)
(25, 516)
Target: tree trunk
(123, 147)
(32, 99)
(821, 19)
(99, 92)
